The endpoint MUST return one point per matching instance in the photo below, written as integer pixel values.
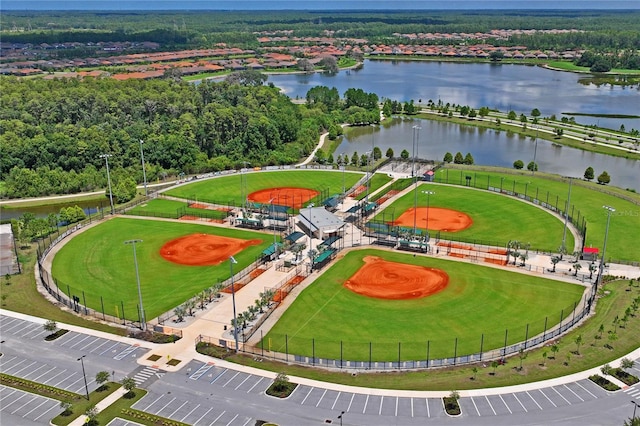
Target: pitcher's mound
(382, 279)
(203, 249)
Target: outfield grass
(169, 208)
(378, 180)
(227, 189)
(496, 219)
(622, 243)
(98, 264)
(478, 301)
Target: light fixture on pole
(366, 198)
(535, 151)
(84, 374)
(344, 166)
(144, 172)
(429, 194)
(273, 222)
(243, 183)
(143, 322)
(609, 210)
(233, 261)
(635, 405)
(106, 160)
(340, 417)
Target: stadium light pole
(366, 198)
(273, 215)
(144, 172)
(416, 136)
(566, 219)
(106, 160)
(233, 261)
(344, 166)
(609, 210)
(535, 151)
(143, 322)
(635, 405)
(84, 374)
(342, 414)
(429, 193)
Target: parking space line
(98, 347)
(35, 379)
(336, 400)
(549, 399)
(54, 376)
(38, 335)
(242, 383)
(15, 373)
(9, 394)
(521, 404)
(63, 379)
(505, 404)
(476, 407)
(149, 406)
(322, 396)
(26, 376)
(26, 403)
(305, 398)
(37, 330)
(366, 402)
(68, 387)
(89, 383)
(396, 406)
(570, 390)
(561, 395)
(11, 328)
(36, 407)
(218, 376)
(232, 420)
(89, 344)
(411, 408)
(426, 400)
(14, 401)
(42, 414)
(255, 384)
(165, 406)
(216, 419)
(72, 336)
(490, 406)
(176, 410)
(535, 402)
(122, 355)
(201, 371)
(11, 321)
(353, 395)
(7, 361)
(380, 409)
(13, 366)
(247, 422)
(202, 416)
(109, 348)
(188, 414)
(586, 390)
(229, 381)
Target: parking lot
(23, 408)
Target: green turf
(169, 208)
(496, 219)
(227, 189)
(624, 227)
(98, 263)
(478, 300)
(378, 180)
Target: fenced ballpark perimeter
(371, 308)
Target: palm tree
(600, 330)
(592, 269)
(544, 358)
(577, 266)
(202, 299)
(523, 258)
(494, 365)
(555, 260)
(189, 306)
(180, 312)
(475, 372)
(578, 341)
(554, 350)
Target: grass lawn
(168, 208)
(496, 219)
(227, 189)
(478, 300)
(535, 367)
(586, 197)
(378, 180)
(97, 263)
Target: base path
(382, 279)
(203, 249)
(284, 196)
(439, 219)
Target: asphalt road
(203, 393)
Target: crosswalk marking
(143, 375)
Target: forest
(53, 132)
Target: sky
(314, 4)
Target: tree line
(53, 132)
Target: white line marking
(15, 373)
(571, 390)
(476, 407)
(523, 407)
(165, 405)
(322, 396)
(221, 414)
(63, 379)
(176, 410)
(426, 400)
(411, 407)
(229, 381)
(256, 384)
(242, 382)
(561, 395)
(535, 402)
(350, 402)
(26, 403)
(33, 371)
(197, 421)
(35, 408)
(109, 348)
(549, 399)
(149, 406)
(54, 406)
(232, 420)
(366, 401)
(505, 404)
(380, 409)
(189, 413)
(308, 393)
(490, 406)
(586, 390)
(334, 402)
